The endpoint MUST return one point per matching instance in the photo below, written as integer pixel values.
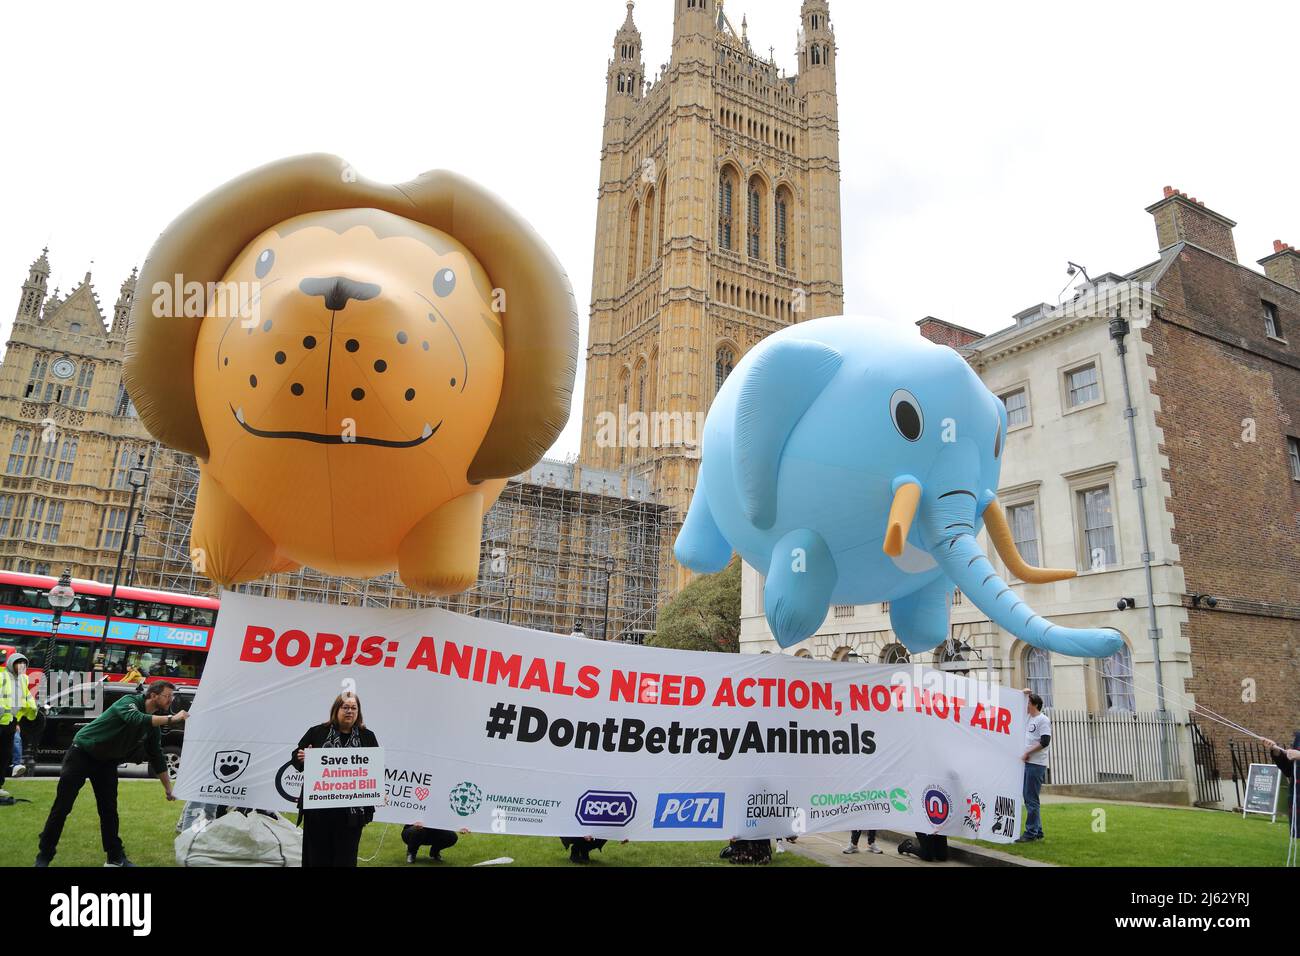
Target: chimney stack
(946, 333)
(1183, 219)
(1283, 265)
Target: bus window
(89, 604)
(123, 608)
(204, 616)
(27, 597)
(158, 612)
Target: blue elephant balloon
(853, 461)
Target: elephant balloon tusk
(901, 513)
(1005, 545)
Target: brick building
(1225, 347)
(1213, 362)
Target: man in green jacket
(97, 749)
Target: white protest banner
(501, 729)
(342, 777)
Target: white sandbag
(240, 840)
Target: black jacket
(1288, 766)
(315, 737)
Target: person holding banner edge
(110, 739)
(1288, 761)
(332, 836)
(1038, 737)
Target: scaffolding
(562, 542)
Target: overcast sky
(983, 144)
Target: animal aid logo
(938, 804)
(1004, 816)
(690, 811)
(75, 909)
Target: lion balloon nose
(338, 291)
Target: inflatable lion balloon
(358, 368)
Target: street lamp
(60, 598)
(136, 478)
(137, 532)
(609, 572)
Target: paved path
(827, 849)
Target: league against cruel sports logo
(229, 765)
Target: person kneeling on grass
(417, 836)
(97, 749)
(929, 847)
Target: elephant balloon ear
(778, 389)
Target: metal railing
(1114, 748)
(1207, 767)
(1246, 751)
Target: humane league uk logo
(77, 909)
(690, 811)
(606, 808)
(938, 804)
(227, 767)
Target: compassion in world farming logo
(901, 799)
(465, 799)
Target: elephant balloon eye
(265, 262)
(906, 412)
(444, 283)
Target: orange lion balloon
(357, 366)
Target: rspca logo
(229, 765)
(938, 804)
(605, 808)
(77, 909)
(690, 811)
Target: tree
(705, 616)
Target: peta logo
(76, 909)
(690, 811)
(606, 808)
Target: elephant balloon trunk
(949, 529)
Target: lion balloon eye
(906, 412)
(264, 263)
(444, 282)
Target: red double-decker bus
(156, 634)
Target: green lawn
(1148, 836)
(148, 829)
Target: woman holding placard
(332, 836)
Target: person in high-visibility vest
(16, 703)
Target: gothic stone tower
(70, 431)
(718, 223)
